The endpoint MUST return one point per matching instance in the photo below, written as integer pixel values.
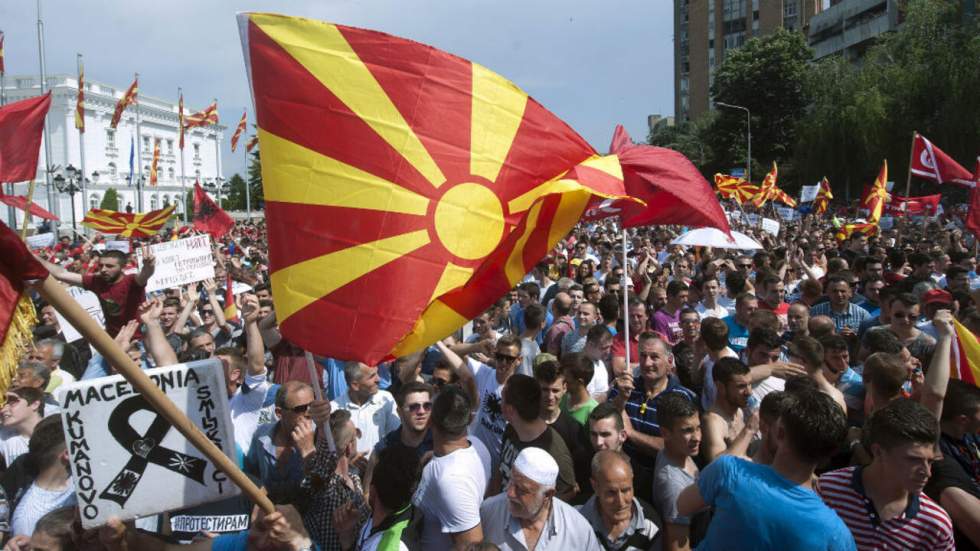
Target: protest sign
(771, 226)
(237, 288)
(180, 262)
(127, 461)
(117, 245)
(40, 240)
(89, 302)
(787, 213)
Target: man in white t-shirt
(710, 307)
(484, 384)
(253, 402)
(453, 482)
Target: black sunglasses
(505, 358)
(414, 408)
(301, 408)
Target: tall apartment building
(705, 29)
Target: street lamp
(68, 182)
(748, 130)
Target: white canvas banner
(809, 193)
(180, 262)
(771, 226)
(89, 302)
(128, 461)
(117, 245)
(40, 240)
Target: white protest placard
(117, 245)
(787, 213)
(89, 302)
(40, 240)
(180, 262)
(237, 288)
(128, 461)
(771, 226)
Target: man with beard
(727, 429)
(119, 294)
(529, 516)
(620, 520)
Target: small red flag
(252, 142)
(973, 214)
(208, 216)
(80, 100)
(875, 196)
(926, 205)
(154, 172)
(21, 125)
(1, 52)
(239, 131)
(203, 118)
(180, 121)
(931, 163)
(231, 309)
(20, 201)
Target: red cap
(937, 296)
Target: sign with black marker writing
(128, 461)
(179, 262)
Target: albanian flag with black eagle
(208, 216)
(406, 189)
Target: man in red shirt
(638, 324)
(120, 294)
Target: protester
(618, 519)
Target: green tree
(921, 78)
(235, 200)
(689, 138)
(110, 201)
(255, 181)
(768, 75)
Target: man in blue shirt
(738, 324)
(762, 507)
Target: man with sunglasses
(485, 384)
(414, 402)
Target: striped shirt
(643, 411)
(923, 524)
(851, 318)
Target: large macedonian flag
(127, 224)
(406, 188)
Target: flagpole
(27, 211)
(47, 137)
(183, 181)
(139, 153)
(217, 157)
(11, 213)
(81, 143)
(908, 178)
(626, 303)
(248, 187)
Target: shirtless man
(727, 429)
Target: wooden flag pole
(27, 211)
(56, 296)
(908, 177)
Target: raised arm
(219, 313)
(61, 274)
(149, 265)
(934, 390)
(180, 326)
(462, 370)
(254, 348)
(269, 330)
(154, 339)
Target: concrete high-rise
(705, 29)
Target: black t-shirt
(549, 441)
(948, 473)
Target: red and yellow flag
(731, 187)
(438, 187)
(155, 162)
(252, 142)
(180, 121)
(128, 98)
(1, 53)
(127, 224)
(824, 196)
(876, 196)
(230, 309)
(203, 118)
(966, 355)
(80, 101)
(238, 131)
(844, 233)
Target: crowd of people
(796, 397)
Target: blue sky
(594, 64)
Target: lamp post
(748, 131)
(70, 182)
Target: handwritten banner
(89, 302)
(180, 262)
(40, 240)
(129, 461)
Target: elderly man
(372, 410)
(622, 521)
(50, 352)
(529, 516)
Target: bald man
(821, 326)
(618, 518)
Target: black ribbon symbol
(145, 449)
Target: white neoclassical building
(107, 151)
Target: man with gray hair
(49, 352)
(624, 522)
(529, 516)
(35, 374)
(373, 411)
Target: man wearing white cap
(528, 516)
